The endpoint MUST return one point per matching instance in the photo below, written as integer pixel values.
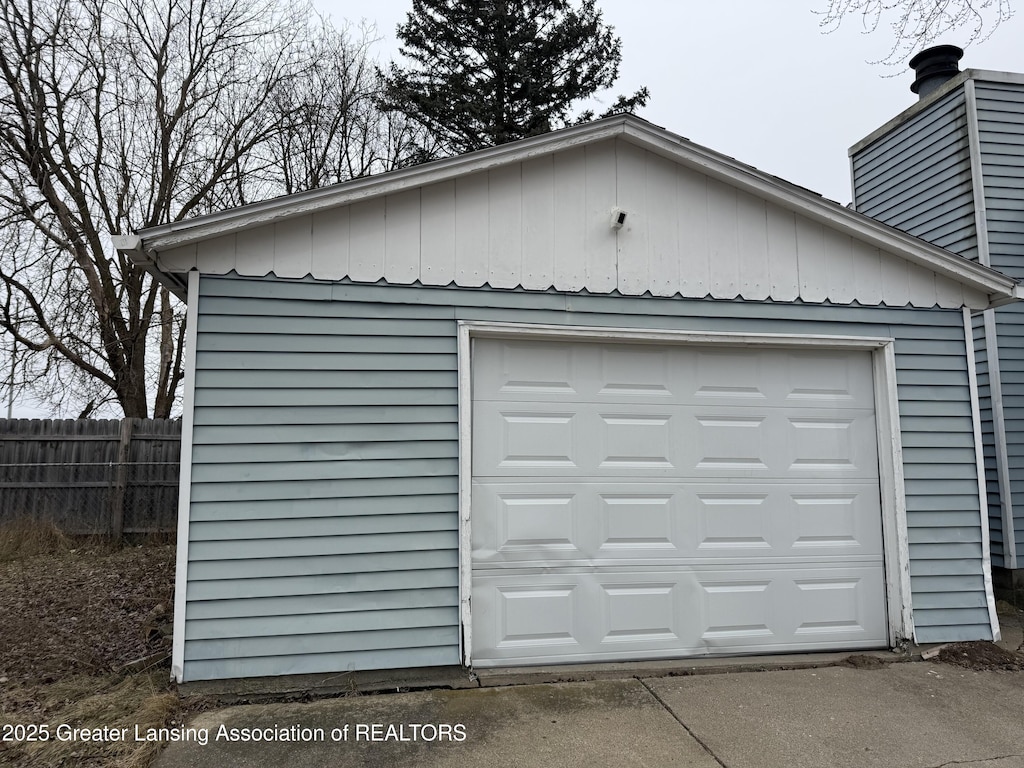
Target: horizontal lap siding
(1010, 333)
(918, 177)
(322, 541)
(1001, 134)
(940, 481)
(324, 526)
(988, 439)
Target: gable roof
(536, 214)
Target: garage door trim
(896, 551)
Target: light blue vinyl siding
(324, 527)
(988, 438)
(1010, 334)
(324, 518)
(1001, 134)
(918, 178)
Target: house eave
(814, 207)
(190, 231)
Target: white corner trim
(185, 479)
(890, 445)
(995, 380)
(896, 544)
(465, 495)
(853, 184)
(977, 177)
(979, 455)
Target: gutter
(130, 246)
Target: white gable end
(545, 222)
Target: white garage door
(635, 501)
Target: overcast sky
(754, 79)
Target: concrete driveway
(911, 714)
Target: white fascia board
(190, 231)
(812, 206)
(130, 246)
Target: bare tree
(918, 23)
(116, 115)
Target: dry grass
(116, 701)
(25, 538)
(76, 612)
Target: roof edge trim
(828, 212)
(189, 231)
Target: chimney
(934, 66)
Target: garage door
(634, 501)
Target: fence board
(81, 475)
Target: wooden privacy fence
(91, 476)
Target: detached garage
(598, 395)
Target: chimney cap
(934, 66)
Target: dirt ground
(84, 641)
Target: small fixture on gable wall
(618, 218)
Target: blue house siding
(323, 528)
(324, 512)
(1000, 109)
(1001, 136)
(993, 497)
(918, 178)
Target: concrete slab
(569, 673)
(303, 687)
(917, 715)
(602, 723)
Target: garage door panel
(589, 439)
(527, 370)
(525, 617)
(603, 522)
(832, 444)
(653, 500)
(630, 373)
(817, 378)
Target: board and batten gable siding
(544, 223)
(323, 529)
(917, 178)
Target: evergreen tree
(491, 71)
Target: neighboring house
(950, 169)
(602, 394)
